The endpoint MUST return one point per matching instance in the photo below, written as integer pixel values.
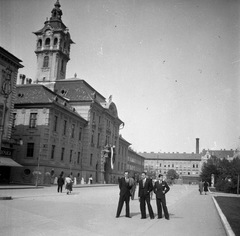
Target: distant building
(135, 163)
(227, 154)
(187, 165)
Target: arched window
(47, 42)
(39, 44)
(45, 61)
(55, 41)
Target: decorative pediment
(113, 109)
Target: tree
(172, 174)
(226, 173)
(208, 169)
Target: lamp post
(37, 171)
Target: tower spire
(53, 48)
(56, 12)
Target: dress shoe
(159, 217)
(143, 217)
(128, 216)
(167, 218)
(152, 218)
(117, 216)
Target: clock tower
(52, 49)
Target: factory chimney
(197, 145)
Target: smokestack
(197, 145)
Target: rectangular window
(14, 120)
(80, 134)
(30, 149)
(92, 138)
(98, 140)
(64, 127)
(91, 158)
(55, 123)
(70, 158)
(53, 151)
(33, 120)
(78, 158)
(73, 131)
(62, 154)
(93, 116)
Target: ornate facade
(9, 65)
(59, 108)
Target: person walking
(69, 183)
(60, 182)
(124, 195)
(160, 189)
(205, 187)
(145, 187)
(200, 185)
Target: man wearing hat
(160, 189)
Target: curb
(225, 223)
(39, 187)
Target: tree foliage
(172, 174)
(225, 172)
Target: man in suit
(145, 187)
(160, 189)
(124, 195)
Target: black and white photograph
(119, 117)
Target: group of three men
(160, 188)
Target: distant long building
(187, 165)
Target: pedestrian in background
(145, 187)
(205, 187)
(200, 186)
(124, 195)
(160, 189)
(69, 183)
(133, 183)
(90, 180)
(60, 182)
(151, 193)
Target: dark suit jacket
(124, 187)
(145, 190)
(160, 189)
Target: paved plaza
(91, 211)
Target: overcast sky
(171, 66)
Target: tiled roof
(39, 94)
(77, 90)
(34, 93)
(171, 156)
(220, 153)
